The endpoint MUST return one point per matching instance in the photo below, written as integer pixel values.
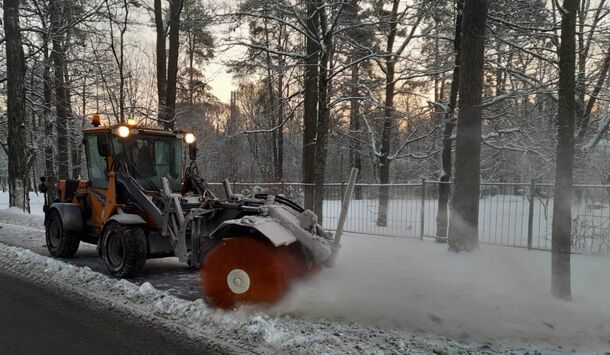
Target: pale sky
(220, 81)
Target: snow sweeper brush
(287, 245)
(145, 199)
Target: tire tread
(68, 242)
(135, 245)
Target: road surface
(36, 320)
(167, 274)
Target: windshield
(150, 158)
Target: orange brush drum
(250, 270)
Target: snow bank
(245, 330)
(493, 293)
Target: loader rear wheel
(60, 243)
(248, 270)
(124, 250)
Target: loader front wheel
(247, 270)
(60, 243)
(124, 250)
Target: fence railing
(510, 214)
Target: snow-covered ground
(385, 294)
(243, 330)
(382, 292)
(36, 202)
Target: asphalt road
(36, 320)
(165, 274)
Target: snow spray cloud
(491, 293)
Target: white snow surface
(385, 295)
(243, 330)
(36, 202)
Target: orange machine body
(99, 204)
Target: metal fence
(510, 214)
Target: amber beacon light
(95, 120)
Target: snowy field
(36, 202)
(503, 220)
(385, 295)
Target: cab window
(96, 163)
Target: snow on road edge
(234, 332)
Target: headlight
(123, 131)
(189, 138)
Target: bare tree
(401, 18)
(444, 188)
(198, 49)
(62, 113)
(564, 165)
(175, 9)
(463, 225)
(17, 149)
(161, 52)
(310, 102)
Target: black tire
(60, 243)
(124, 250)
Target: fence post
(530, 215)
(421, 212)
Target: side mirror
(43, 188)
(193, 151)
(103, 147)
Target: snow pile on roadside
(18, 217)
(244, 330)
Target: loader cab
(149, 157)
(147, 154)
(118, 156)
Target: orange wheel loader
(145, 199)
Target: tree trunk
(323, 126)
(562, 205)
(15, 85)
(599, 85)
(48, 125)
(388, 121)
(172, 64)
(274, 114)
(310, 108)
(444, 188)
(352, 10)
(354, 122)
(279, 164)
(73, 130)
(161, 59)
(61, 105)
(386, 139)
(191, 54)
(463, 225)
(282, 42)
